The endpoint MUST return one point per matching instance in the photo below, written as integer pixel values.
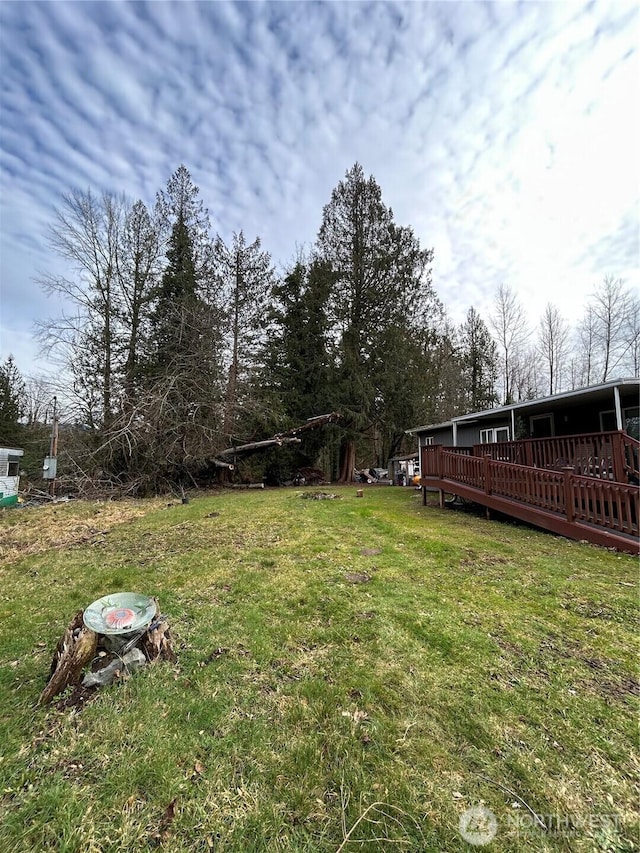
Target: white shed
(9, 475)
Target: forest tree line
(176, 345)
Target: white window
(630, 419)
(427, 440)
(490, 436)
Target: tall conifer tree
(381, 280)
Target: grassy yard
(353, 675)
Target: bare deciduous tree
(139, 270)
(38, 394)
(608, 333)
(509, 323)
(632, 336)
(246, 279)
(87, 233)
(610, 306)
(552, 345)
(586, 348)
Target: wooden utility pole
(53, 452)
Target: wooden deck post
(438, 471)
(617, 451)
(568, 493)
(487, 474)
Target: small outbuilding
(402, 469)
(9, 475)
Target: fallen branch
(247, 485)
(536, 817)
(259, 445)
(287, 437)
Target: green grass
(482, 663)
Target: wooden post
(568, 493)
(53, 450)
(487, 474)
(439, 461)
(617, 451)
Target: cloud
(504, 134)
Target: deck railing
(532, 486)
(606, 455)
(589, 500)
(429, 457)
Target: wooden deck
(558, 496)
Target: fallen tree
(287, 437)
(135, 459)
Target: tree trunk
(75, 650)
(347, 462)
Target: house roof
(405, 458)
(592, 393)
(443, 425)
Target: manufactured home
(568, 463)
(606, 407)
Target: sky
(505, 134)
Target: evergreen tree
(479, 368)
(296, 382)
(246, 278)
(180, 201)
(12, 403)
(381, 276)
(174, 323)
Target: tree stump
(157, 643)
(78, 647)
(75, 650)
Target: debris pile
(319, 496)
(309, 477)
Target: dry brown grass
(36, 529)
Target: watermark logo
(478, 826)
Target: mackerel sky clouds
(506, 134)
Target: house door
(541, 426)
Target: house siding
(572, 413)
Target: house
(606, 407)
(568, 463)
(9, 475)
